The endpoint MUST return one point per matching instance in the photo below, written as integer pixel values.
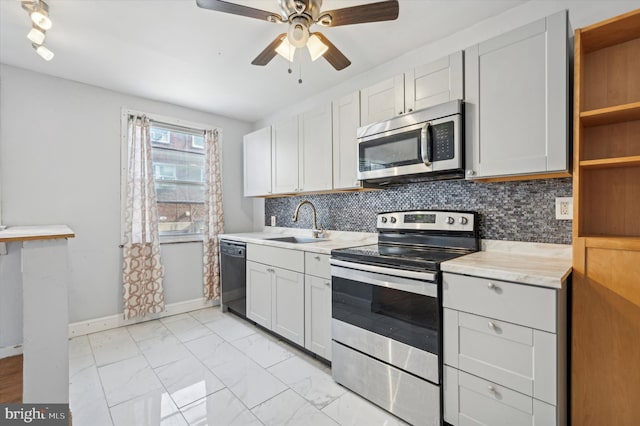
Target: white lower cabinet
(504, 353)
(287, 311)
(275, 290)
(317, 304)
(289, 293)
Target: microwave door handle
(427, 145)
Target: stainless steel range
(387, 310)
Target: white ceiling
(173, 51)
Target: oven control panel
(433, 220)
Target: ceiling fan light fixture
(36, 35)
(316, 47)
(298, 32)
(286, 50)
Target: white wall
(60, 164)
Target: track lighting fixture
(39, 13)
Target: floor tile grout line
(104, 393)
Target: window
(178, 170)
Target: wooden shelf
(613, 242)
(611, 115)
(611, 162)
(612, 31)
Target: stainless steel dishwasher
(233, 283)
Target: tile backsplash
(516, 211)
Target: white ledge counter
(331, 239)
(544, 265)
(45, 316)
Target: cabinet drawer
(475, 401)
(508, 354)
(317, 265)
(292, 260)
(517, 303)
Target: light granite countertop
(544, 265)
(330, 240)
(31, 233)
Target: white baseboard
(95, 325)
(7, 351)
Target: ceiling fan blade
(236, 9)
(373, 12)
(333, 55)
(270, 52)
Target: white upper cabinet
(430, 84)
(382, 101)
(257, 162)
(285, 156)
(315, 150)
(517, 101)
(434, 83)
(346, 120)
(301, 153)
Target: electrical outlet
(564, 208)
(273, 221)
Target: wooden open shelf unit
(606, 226)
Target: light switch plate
(273, 221)
(564, 208)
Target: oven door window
(398, 150)
(409, 318)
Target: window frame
(170, 121)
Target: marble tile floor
(206, 368)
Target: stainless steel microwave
(422, 145)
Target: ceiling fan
(300, 15)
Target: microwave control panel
(443, 135)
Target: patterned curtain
(142, 269)
(214, 218)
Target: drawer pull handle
(492, 286)
(492, 325)
(327, 283)
(316, 257)
(492, 389)
(270, 270)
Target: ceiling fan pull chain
(300, 74)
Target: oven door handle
(382, 280)
(426, 276)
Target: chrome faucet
(317, 231)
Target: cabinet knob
(492, 286)
(316, 257)
(492, 325)
(327, 283)
(492, 389)
(270, 270)
(471, 172)
(400, 113)
(410, 109)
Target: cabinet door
(257, 162)
(317, 315)
(434, 83)
(517, 101)
(288, 305)
(285, 156)
(259, 293)
(382, 101)
(346, 120)
(316, 173)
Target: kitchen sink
(297, 240)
